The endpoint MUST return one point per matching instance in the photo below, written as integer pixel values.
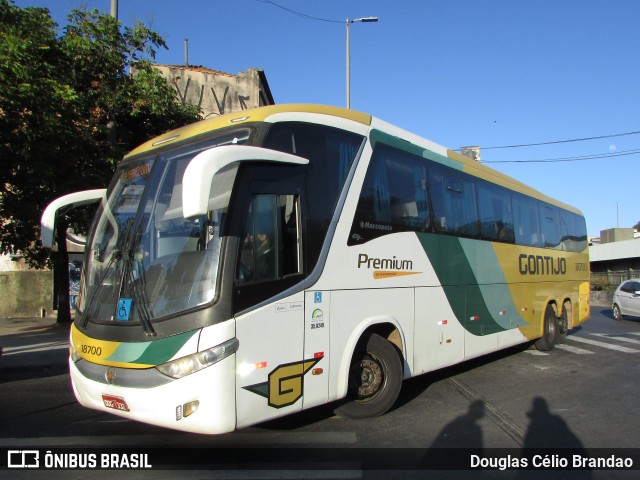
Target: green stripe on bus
(460, 284)
(156, 352)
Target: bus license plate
(117, 403)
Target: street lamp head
(366, 19)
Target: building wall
(217, 93)
(24, 292)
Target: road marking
(610, 346)
(38, 347)
(617, 337)
(531, 351)
(576, 350)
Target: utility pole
(114, 9)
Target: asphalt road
(582, 395)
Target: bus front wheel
(375, 378)
(549, 331)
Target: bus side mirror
(72, 200)
(196, 181)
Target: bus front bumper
(203, 402)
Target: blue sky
(459, 72)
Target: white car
(626, 299)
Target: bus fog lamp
(192, 363)
(73, 354)
(190, 408)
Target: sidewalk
(33, 344)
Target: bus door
(269, 323)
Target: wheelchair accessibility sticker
(124, 309)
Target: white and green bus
(265, 262)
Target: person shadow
(457, 441)
(549, 434)
(463, 431)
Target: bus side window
(393, 197)
(454, 202)
(549, 223)
(496, 220)
(270, 247)
(525, 213)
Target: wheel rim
(616, 311)
(370, 378)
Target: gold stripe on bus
(259, 114)
(378, 274)
(99, 351)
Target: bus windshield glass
(145, 259)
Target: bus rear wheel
(549, 331)
(375, 378)
(563, 323)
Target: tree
(69, 110)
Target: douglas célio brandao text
(550, 461)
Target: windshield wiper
(99, 294)
(138, 284)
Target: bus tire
(563, 324)
(375, 378)
(549, 331)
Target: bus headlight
(192, 363)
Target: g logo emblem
(285, 386)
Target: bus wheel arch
(549, 329)
(375, 373)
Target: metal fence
(613, 278)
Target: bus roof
(259, 114)
(263, 114)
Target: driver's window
(270, 244)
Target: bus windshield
(144, 257)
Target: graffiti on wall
(223, 101)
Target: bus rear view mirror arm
(196, 181)
(72, 200)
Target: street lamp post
(348, 22)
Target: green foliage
(70, 109)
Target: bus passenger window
(454, 203)
(393, 197)
(496, 220)
(549, 226)
(525, 213)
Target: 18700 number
(91, 350)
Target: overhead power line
(300, 14)
(563, 141)
(598, 156)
